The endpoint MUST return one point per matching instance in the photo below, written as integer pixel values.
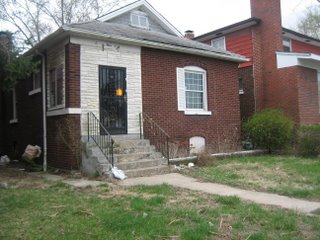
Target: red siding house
(283, 71)
(129, 73)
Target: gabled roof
(252, 22)
(300, 37)
(141, 37)
(228, 29)
(151, 11)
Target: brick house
(130, 61)
(283, 71)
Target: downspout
(44, 112)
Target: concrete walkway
(178, 180)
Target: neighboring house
(283, 71)
(130, 61)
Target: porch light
(119, 92)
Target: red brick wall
(267, 38)
(308, 96)
(72, 75)
(302, 47)
(64, 141)
(285, 93)
(159, 93)
(247, 102)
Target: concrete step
(119, 158)
(144, 163)
(131, 143)
(142, 172)
(133, 149)
(126, 137)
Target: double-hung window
(192, 91)
(219, 43)
(36, 83)
(14, 116)
(139, 19)
(56, 87)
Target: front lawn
(35, 209)
(290, 176)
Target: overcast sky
(203, 16)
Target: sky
(203, 16)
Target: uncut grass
(291, 176)
(160, 212)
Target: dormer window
(139, 19)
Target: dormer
(141, 14)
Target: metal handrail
(99, 134)
(157, 136)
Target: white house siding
(95, 53)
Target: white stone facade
(95, 53)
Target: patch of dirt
(16, 177)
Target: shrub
(308, 140)
(269, 129)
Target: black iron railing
(98, 133)
(149, 129)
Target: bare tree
(34, 19)
(310, 23)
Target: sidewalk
(178, 180)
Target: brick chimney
(267, 39)
(189, 34)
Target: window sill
(64, 111)
(241, 92)
(38, 90)
(197, 112)
(12, 121)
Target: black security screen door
(113, 99)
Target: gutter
(150, 44)
(44, 108)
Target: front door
(113, 99)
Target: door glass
(113, 105)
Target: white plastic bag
(31, 153)
(119, 174)
(4, 160)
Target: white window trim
(181, 96)
(35, 91)
(218, 39)
(65, 111)
(14, 107)
(139, 14)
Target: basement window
(139, 19)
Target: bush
(308, 140)
(269, 129)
